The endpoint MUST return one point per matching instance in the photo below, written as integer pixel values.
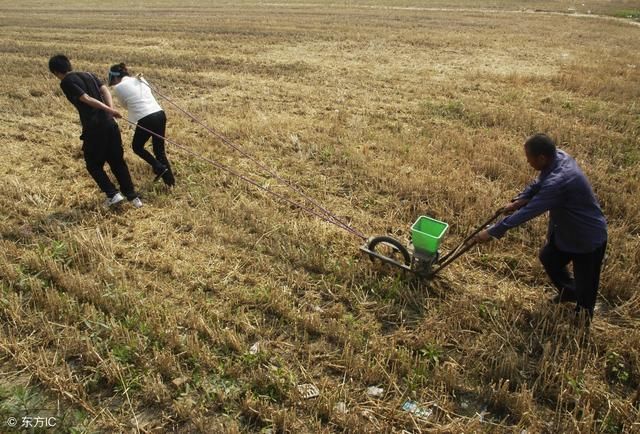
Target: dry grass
(142, 320)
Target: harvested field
(146, 320)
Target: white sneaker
(111, 201)
(137, 203)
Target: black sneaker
(565, 296)
(583, 317)
(159, 175)
(168, 178)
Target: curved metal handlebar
(465, 245)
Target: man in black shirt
(101, 141)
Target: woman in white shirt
(135, 95)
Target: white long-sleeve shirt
(134, 94)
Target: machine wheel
(391, 248)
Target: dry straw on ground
(143, 320)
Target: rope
(334, 218)
(227, 169)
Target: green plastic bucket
(426, 233)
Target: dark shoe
(583, 317)
(168, 178)
(159, 175)
(564, 296)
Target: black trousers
(157, 123)
(583, 286)
(103, 144)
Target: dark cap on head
(117, 71)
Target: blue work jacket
(576, 220)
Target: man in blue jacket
(577, 227)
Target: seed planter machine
(421, 255)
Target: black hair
(118, 70)
(60, 63)
(541, 144)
